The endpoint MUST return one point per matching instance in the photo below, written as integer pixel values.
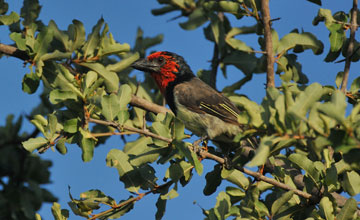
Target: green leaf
(60, 146)
(42, 43)
(327, 208)
(190, 155)
(57, 96)
(284, 198)
(111, 79)
(324, 15)
(336, 108)
(337, 37)
(161, 206)
(237, 86)
(355, 85)
(236, 177)
(348, 211)
(93, 40)
(120, 160)
(110, 106)
(251, 108)
(306, 164)
(90, 78)
(175, 172)
(225, 6)
(110, 46)
(339, 78)
(331, 178)
(58, 213)
(195, 20)
(4, 7)
(19, 40)
(163, 10)
(52, 124)
(76, 34)
(306, 100)
(142, 151)
(218, 31)
(306, 40)
(222, 206)
(71, 125)
(351, 183)
(13, 17)
(34, 143)
(178, 129)
(30, 83)
(162, 130)
(246, 62)
(87, 145)
(262, 153)
(238, 44)
(30, 11)
(57, 76)
(124, 63)
(56, 55)
(213, 180)
(318, 2)
(124, 96)
(170, 195)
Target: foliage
(299, 130)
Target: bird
(204, 111)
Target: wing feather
(205, 100)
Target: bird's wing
(199, 97)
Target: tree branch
(259, 176)
(353, 27)
(14, 52)
(131, 200)
(270, 78)
(148, 106)
(125, 127)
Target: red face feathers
(165, 67)
(169, 68)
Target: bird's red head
(165, 67)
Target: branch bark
(270, 77)
(259, 176)
(128, 128)
(14, 52)
(148, 106)
(353, 28)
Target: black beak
(146, 66)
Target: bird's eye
(161, 59)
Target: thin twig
(131, 200)
(350, 48)
(270, 78)
(111, 133)
(128, 128)
(258, 176)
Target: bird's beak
(146, 66)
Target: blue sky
(124, 17)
